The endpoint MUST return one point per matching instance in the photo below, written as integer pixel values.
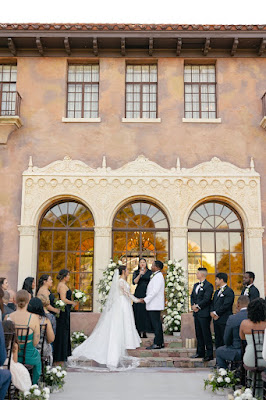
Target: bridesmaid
(44, 285)
(62, 346)
(141, 278)
(29, 284)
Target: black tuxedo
(253, 292)
(223, 306)
(203, 297)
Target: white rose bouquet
(60, 305)
(176, 296)
(104, 284)
(220, 379)
(77, 338)
(35, 392)
(54, 377)
(79, 296)
(242, 394)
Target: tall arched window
(216, 241)
(66, 239)
(140, 229)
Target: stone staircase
(172, 356)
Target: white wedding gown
(114, 333)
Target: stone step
(172, 343)
(166, 352)
(174, 362)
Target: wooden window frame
(12, 96)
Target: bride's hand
(74, 303)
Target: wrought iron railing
(264, 105)
(9, 103)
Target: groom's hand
(141, 301)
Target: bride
(115, 331)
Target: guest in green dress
(23, 319)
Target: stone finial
(104, 162)
(178, 164)
(30, 163)
(252, 164)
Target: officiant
(141, 278)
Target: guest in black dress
(141, 278)
(44, 285)
(62, 346)
(29, 285)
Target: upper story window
(8, 93)
(200, 91)
(141, 91)
(83, 91)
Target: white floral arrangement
(242, 394)
(79, 296)
(54, 377)
(176, 296)
(60, 305)
(77, 338)
(104, 284)
(35, 392)
(220, 379)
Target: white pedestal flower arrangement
(176, 297)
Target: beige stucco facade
(234, 139)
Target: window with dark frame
(200, 91)
(83, 91)
(141, 91)
(216, 242)
(8, 90)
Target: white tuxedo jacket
(155, 293)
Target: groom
(155, 303)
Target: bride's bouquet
(60, 305)
(79, 296)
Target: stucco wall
(42, 84)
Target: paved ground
(139, 384)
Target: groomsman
(249, 289)
(222, 307)
(201, 298)
(155, 303)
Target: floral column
(102, 255)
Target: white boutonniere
(222, 289)
(201, 284)
(152, 275)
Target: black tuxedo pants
(203, 334)
(219, 333)
(155, 319)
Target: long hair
(41, 281)
(2, 280)
(9, 329)
(1, 300)
(257, 310)
(142, 258)
(27, 285)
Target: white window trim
(142, 120)
(203, 120)
(81, 120)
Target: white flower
(26, 394)
(59, 375)
(237, 392)
(46, 390)
(227, 379)
(222, 372)
(248, 396)
(107, 287)
(120, 262)
(220, 379)
(111, 273)
(64, 373)
(37, 392)
(170, 262)
(171, 295)
(34, 386)
(238, 398)
(248, 391)
(169, 304)
(54, 370)
(79, 295)
(113, 264)
(46, 396)
(59, 367)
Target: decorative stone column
(254, 255)
(102, 255)
(178, 246)
(27, 253)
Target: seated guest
(222, 307)
(257, 321)
(232, 349)
(46, 302)
(5, 375)
(7, 310)
(1, 303)
(19, 374)
(3, 283)
(12, 300)
(35, 307)
(23, 319)
(29, 285)
(249, 289)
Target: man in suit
(249, 289)
(5, 375)
(7, 310)
(155, 303)
(231, 351)
(201, 298)
(222, 307)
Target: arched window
(216, 241)
(66, 238)
(140, 229)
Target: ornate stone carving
(26, 230)
(103, 231)
(255, 232)
(179, 231)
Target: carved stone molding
(179, 231)
(255, 232)
(26, 230)
(103, 231)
